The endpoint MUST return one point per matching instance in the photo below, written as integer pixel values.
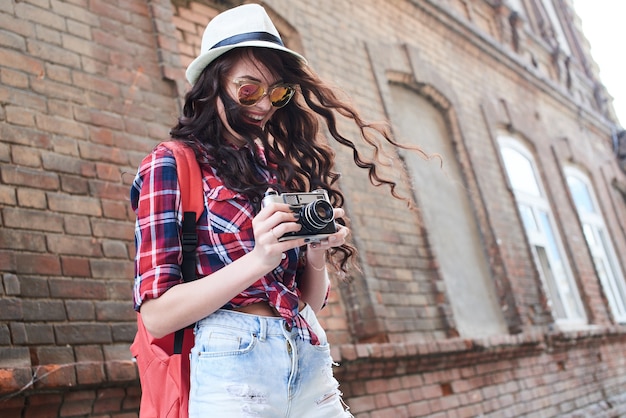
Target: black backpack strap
(189, 242)
(188, 267)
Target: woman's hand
(334, 240)
(271, 223)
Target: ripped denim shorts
(248, 366)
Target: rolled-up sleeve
(155, 198)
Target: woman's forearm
(314, 281)
(188, 302)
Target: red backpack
(163, 363)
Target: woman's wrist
(316, 259)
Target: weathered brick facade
(88, 87)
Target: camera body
(315, 213)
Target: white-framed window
(541, 232)
(598, 241)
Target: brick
(90, 367)
(95, 152)
(107, 190)
(76, 225)
(109, 400)
(103, 86)
(113, 229)
(120, 289)
(31, 198)
(89, 354)
(14, 357)
(90, 374)
(8, 195)
(83, 47)
(74, 185)
(362, 404)
(119, 363)
(48, 35)
(23, 116)
(14, 379)
(21, 62)
(75, 266)
(111, 269)
(65, 145)
(11, 284)
(83, 333)
(80, 310)
(10, 24)
(105, 9)
(34, 287)
(115, 210)
(18, 333)
(29, 12)
(39, 334)
(5, 335)
(109, 311)
(75, 13)
(78, 29)
(99, 135)
(67, 164)
(59, 125)
(43, 310)
(7, 260)
(115, 249)
(12, 40)
(78, 205)
(29, 177)
(124, 332)
(74, 245)
(108, 172)
(42, 411)
(132, 401)
(32, 219)
(77, 289)
(81, 407)
(11, 309)
(55, 375)
(45, 398)
(37, 264)
(12, 406)
(58, 91)
(63, 75)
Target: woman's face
(248, 69)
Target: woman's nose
(265, 103)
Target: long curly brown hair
(295, 150)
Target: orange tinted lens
(249, 94)
(280, 95)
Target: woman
(251, 117)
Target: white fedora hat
(247, 25)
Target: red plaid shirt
(224, 234)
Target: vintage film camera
(315, 213)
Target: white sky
(603, 22)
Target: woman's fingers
(334, 240)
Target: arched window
(448, 214)
(541, 231)
(598, 241)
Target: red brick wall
(89, 86)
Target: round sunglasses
(251, 92)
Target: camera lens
(316, 215)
